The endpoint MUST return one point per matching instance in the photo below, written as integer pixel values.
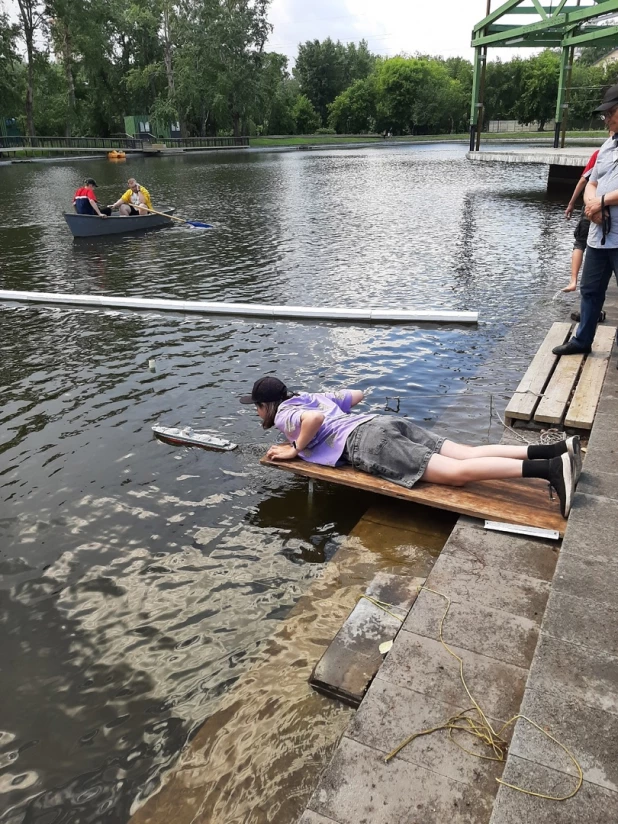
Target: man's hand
(593, 207)
(281, 452)
(569, 211)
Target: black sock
(535, 469)
(538, 451)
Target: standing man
(601, 199)
(133, 200)
(85, 200)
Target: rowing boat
(95, 226)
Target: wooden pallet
(562, 391)
(519, 501)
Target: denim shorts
(392, 448)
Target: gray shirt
(605, 175)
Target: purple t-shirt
(329, 442)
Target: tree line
(70, 68)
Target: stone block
(389, 714)
(597, 480)
(582, 621)
(533, 557)
(591, 805)
(586, 577)
(471, 582)
(425, 666)
(590, 734)
(471, 626)
(359, 788)
(592, 529)
(562, 668)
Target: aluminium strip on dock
(247, 309)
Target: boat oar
(196, 223)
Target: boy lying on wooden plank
(320, 429)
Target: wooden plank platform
(520, 501)
(526, 397)
(564, 390)
(586, 397)
(353, 657)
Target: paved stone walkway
(534, 642)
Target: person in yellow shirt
(134, 200)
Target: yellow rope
(383, 606)
(481, 729)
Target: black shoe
(574, 450)
(570, 348)
(577, 317)
(561, 479)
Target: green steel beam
(495, 15)
(556, 21)
(548, 9)
(540, 9)
(602, 33)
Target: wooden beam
(526, 396)
(586, 398)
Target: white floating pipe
(247, 309)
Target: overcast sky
(390, 26)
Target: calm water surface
(138, 580)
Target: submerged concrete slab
(591, 805)
(359, 788)
(590, 734)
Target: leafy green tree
(306, 119)
(31, 20)
(354, 111)
(10, 68)
(325, 69)
(539, 89)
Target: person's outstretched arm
(310, 424)
(357, 396)
(581, 185)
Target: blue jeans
(598, 267)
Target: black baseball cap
(266, 390)
(90, 181)
(610, 99)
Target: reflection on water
(139, 581)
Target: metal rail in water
(317, 313)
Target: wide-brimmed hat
(610, 99)
(266, 390)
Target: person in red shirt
(583, 224)
(85, 200)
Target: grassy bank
(325, 140)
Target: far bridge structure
(563, 24)
(35, 145)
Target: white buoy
(152, 365)
(249, 309)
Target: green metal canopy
(561, 24)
